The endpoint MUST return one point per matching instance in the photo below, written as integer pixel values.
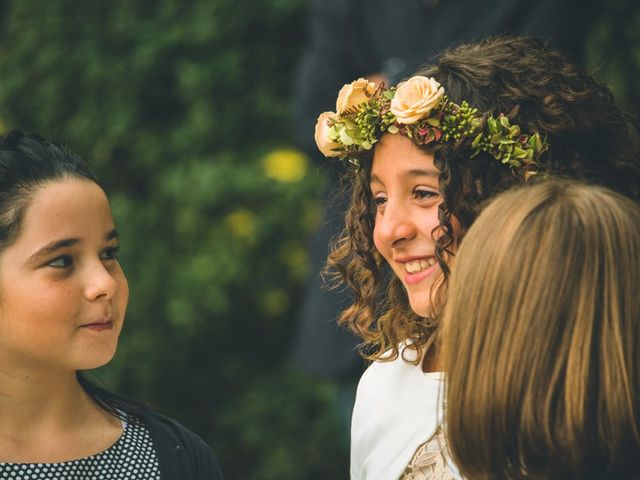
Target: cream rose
(415, 98)
(353, 94)
(322, 135)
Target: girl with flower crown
(425, 157)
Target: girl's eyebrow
(417, 172)
(422, 173)
(50, 248)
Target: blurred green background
(182, 107)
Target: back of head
(26, 163)
(541, 337)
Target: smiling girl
(426, 156)
(63, 297)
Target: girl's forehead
(397, 155)
(65, 208)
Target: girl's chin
(420, 308)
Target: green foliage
(613, 49)
(260, 409)
(182, 109)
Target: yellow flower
(274, 302)
(415, 98)
(353, 94)
(285, 165)
(241, 223)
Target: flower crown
(420, 109)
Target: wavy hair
(541, 334)
(539, 89)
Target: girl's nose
(100, 282)
(395, 225)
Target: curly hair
(590, 139)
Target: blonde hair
(541, 337)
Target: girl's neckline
(125, 425)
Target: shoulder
(398, 373)
(397, 408)
(395, 392)
(181, 452)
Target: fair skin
(63, 298)
(404, 184)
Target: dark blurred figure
(385, 40)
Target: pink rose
(353, 94)
(322, 135)
(415, 98)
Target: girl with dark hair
(540, 337)
(426, 156)
(63, 297)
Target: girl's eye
(64, 261)
(110, 253)
(422, 194)
(379, 199)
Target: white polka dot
(132, 457)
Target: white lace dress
(431, 461)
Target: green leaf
(536, 142)
(519, 152)
(493, 125)
(345, 138)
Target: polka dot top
(131, 457)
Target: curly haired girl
(427, 155)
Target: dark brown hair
(590, 139)
(541, 335)
(27, 164)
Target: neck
(47, 417)
(41, 401)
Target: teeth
(419, 265)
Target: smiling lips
(416, 266)
(418, 269)
(102, 325)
